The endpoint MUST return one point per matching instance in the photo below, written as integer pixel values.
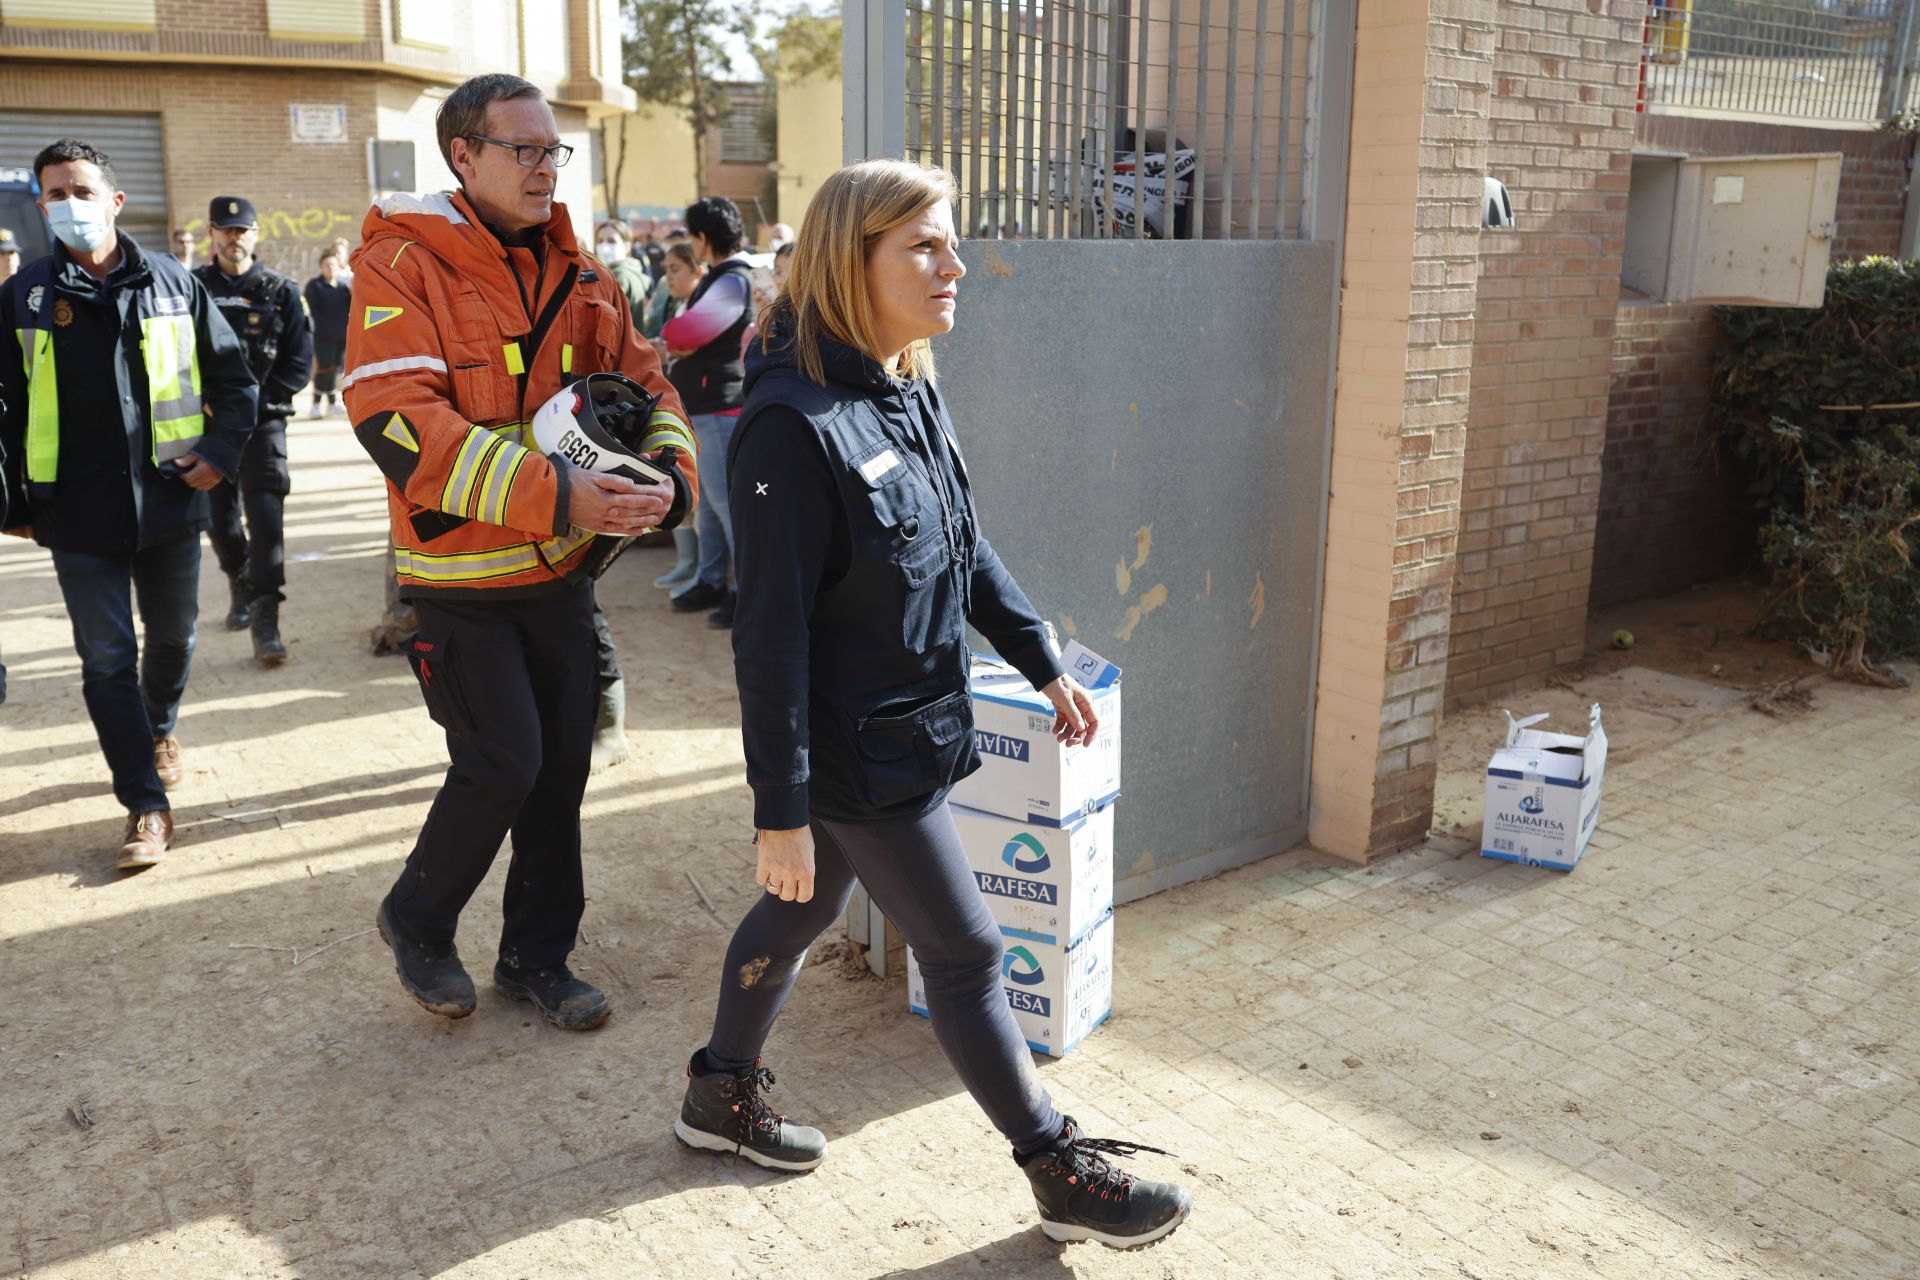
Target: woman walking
(860, 564)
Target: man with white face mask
(126, 399)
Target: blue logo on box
(1534, 803)
(1030, 973)
(1028, 843)
(1029, 1002)
(1006, 886)
(1003, 745)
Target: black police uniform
(265, 311)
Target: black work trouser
(606, 662)
(259, 553)
(513, 685)
(917, 872)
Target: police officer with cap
(265, 310)
(9, 254)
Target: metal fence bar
(915, 89)
(938, 66)
(1041, 108)
(1049, 123)
(1078, 118)
(1201, 41)
(1805, 59)
(1259, 115)
(1118, 33)
(1139, 123)
(1170, 146)
(1233, 114)
(1284, 159)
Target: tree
(674, 56)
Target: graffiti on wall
(291, 240)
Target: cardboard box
(1024, 774)
(1543, 794)
(1058, 994)
(1052, 880)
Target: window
(744, 134)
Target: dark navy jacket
(109, 498)
(860, 562)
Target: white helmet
(601, 422)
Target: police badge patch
(34, 297)
(62, 312)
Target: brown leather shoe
(148, 835)
(166, 761)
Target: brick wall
(1422, 80)
(1673, 509)
(1565, 74)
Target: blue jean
(130, 711)
(713, 432)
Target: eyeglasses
(528, 154)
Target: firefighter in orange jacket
(470, 309)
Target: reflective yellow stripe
(664, 429)
(557, 551)
(566, 357)
(173, 385)
(43, 406)
(466, 566)
(458, 493)
(515, 364)
(497, 484)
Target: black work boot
(569, 1003)
(1082, 1197)
(267, 648)
(430, 971)
(238, 597)
(723, 1111)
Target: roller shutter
(132, 144)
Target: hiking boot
(610, 745)
(721, 619)
(166, 761)
(699, 596)
(267, 649)
(430, 971)
(1082, 1197)
(146, 840)
(569, 1003)
(239, 597)
(723, 1111)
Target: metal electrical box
(1755, 230)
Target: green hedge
(1826, 404)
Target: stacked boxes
(1036, 821)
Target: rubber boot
(238, 599)
(267, 648)
(610, 729)
(686, 561)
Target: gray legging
(917, 873)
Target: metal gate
(1152, 193)
(133, 146)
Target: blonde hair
(826, 295)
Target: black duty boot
(238, 598)
(569, 1003)
(267, 648)
(430, 971)
(1082, 1197)
(723, 1111)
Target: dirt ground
(1696, 1056)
